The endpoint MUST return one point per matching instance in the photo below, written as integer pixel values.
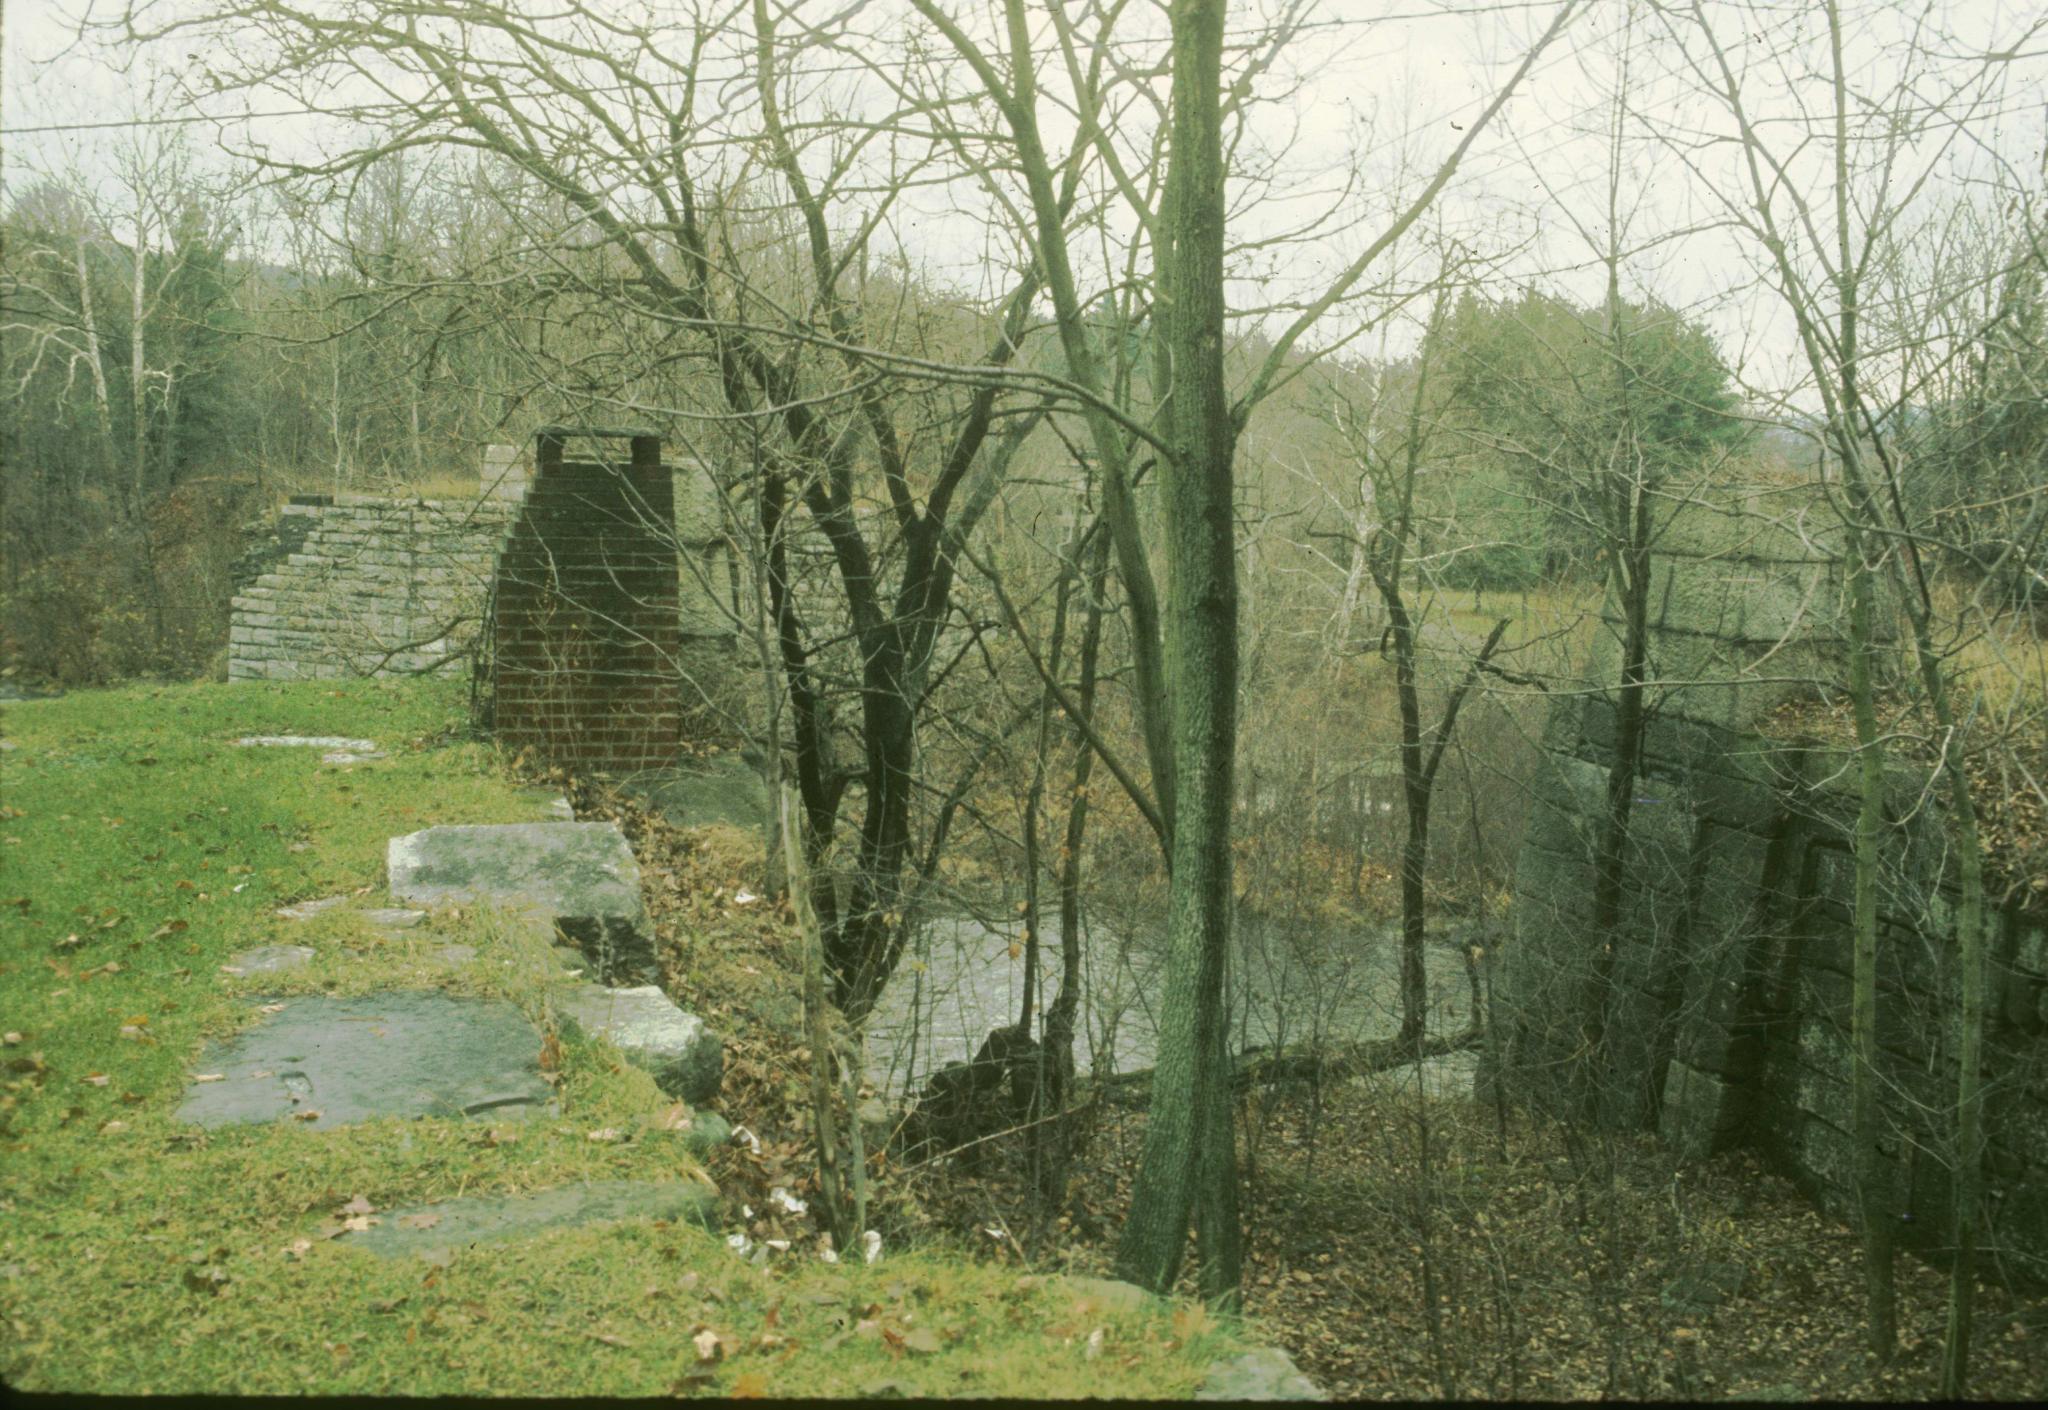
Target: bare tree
(1823, 245)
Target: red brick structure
(586, 627)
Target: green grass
(138, 1255)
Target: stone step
(581, 877)
(431, 1230)
(650, 1031)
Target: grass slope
(139, 851)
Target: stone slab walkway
(580, 876)
(330, 1062)
(429, 1229)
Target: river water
(962, 977)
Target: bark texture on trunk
(1190, 1161)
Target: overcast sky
(1382, 89)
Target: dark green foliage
(1553, 394)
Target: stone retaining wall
(1729, 1023)
(366, 586)
(346, 585)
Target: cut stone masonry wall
(1730, 1018)
(351, 585)
(360, 585)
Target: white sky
(1530, 197)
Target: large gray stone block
(1264, 1373)
(686, 1059)
(329, 1062)
(580, 876)
(428, 1230)
(721, 789)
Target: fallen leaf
(387, 1304)
(1094, 1347)
(298, 1248)
(95, 1079)
(359, 1205)
(608, 1339)
(113, 1128)
(12, 1040)
(710, 1346)
(305, 1116)
(209, 1077)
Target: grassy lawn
(139, 851)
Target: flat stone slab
(686, 1059)
(452, 956)
(580, 876)
(556, 806)
(1111, 1293)
(722, 789)
(270, 959)
(327, 1062)
(1264, 1373)
(308, 741)
(394, 917)
(306, 910)
(424, 1230)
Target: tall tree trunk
(1415, 793)
(1056, 1050)
(817, 1023)
(1631, 511)
(1969, 1174)
(1034, 797)
(1190, 1160)
(138, 386)
(1872, 1179)
(102, 403)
